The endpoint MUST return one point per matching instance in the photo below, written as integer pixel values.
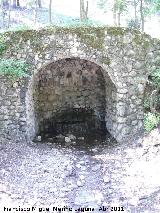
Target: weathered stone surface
(77, 67)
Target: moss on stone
(106, 60)
(92, 37)
(115, 31)
(3, 45)
(59, 46)
(142, 40)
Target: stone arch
(67, 84)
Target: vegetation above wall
(152, 101)
(3, 45)
(91, 36)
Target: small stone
(84, 197)
(82, 177)
(80, 183)
(65, 189)
(83, 168)
(72, 137)
(140, 88)
(67, 139)
(134, 122)
(62, 194)
(78, 166)
(49, 143)
(122, 91)
(81, 138)
(130, 53)
(39, 138)
(22, 119)
(96, 167)
(138, 65)
(94, 150)
(50, 139)
(71, 171)
(121, 110)
(82, 162)
(99, 197)
(63, 176)
(15, 84)
(143, 198)
(60, 136)
(106, 179)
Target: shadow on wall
(68, 96)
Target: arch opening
(69, 96)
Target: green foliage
(154, 83)
(157, 5)
(151, 120)
(133, 24)
(151, 7)
(158, 100)
(117, 5)
(3, 46)
(13, 68)
(120, 5)
(102, 4)
(155, 77)
(154, 5)
(146, 103)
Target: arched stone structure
(125, 57)
(66, 85)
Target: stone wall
(124, 58)
(12, 110)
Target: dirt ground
(103, 177)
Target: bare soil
(47, 175)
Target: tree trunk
(39, 3)
(50, 12)
(5, 3)
(142, 15)
(18, 3)
(153, 101)
(14, 3)
(3, 9)
(119, 19)
(114, 14)
(135, 11)
(35, 11)
(9, 14)
(3, 14)
(83, 11)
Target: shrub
(133, 24)
(155, 77)
(151, 120)
(13, 68)
(152, 94)
(146, 103)
(3, 46)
